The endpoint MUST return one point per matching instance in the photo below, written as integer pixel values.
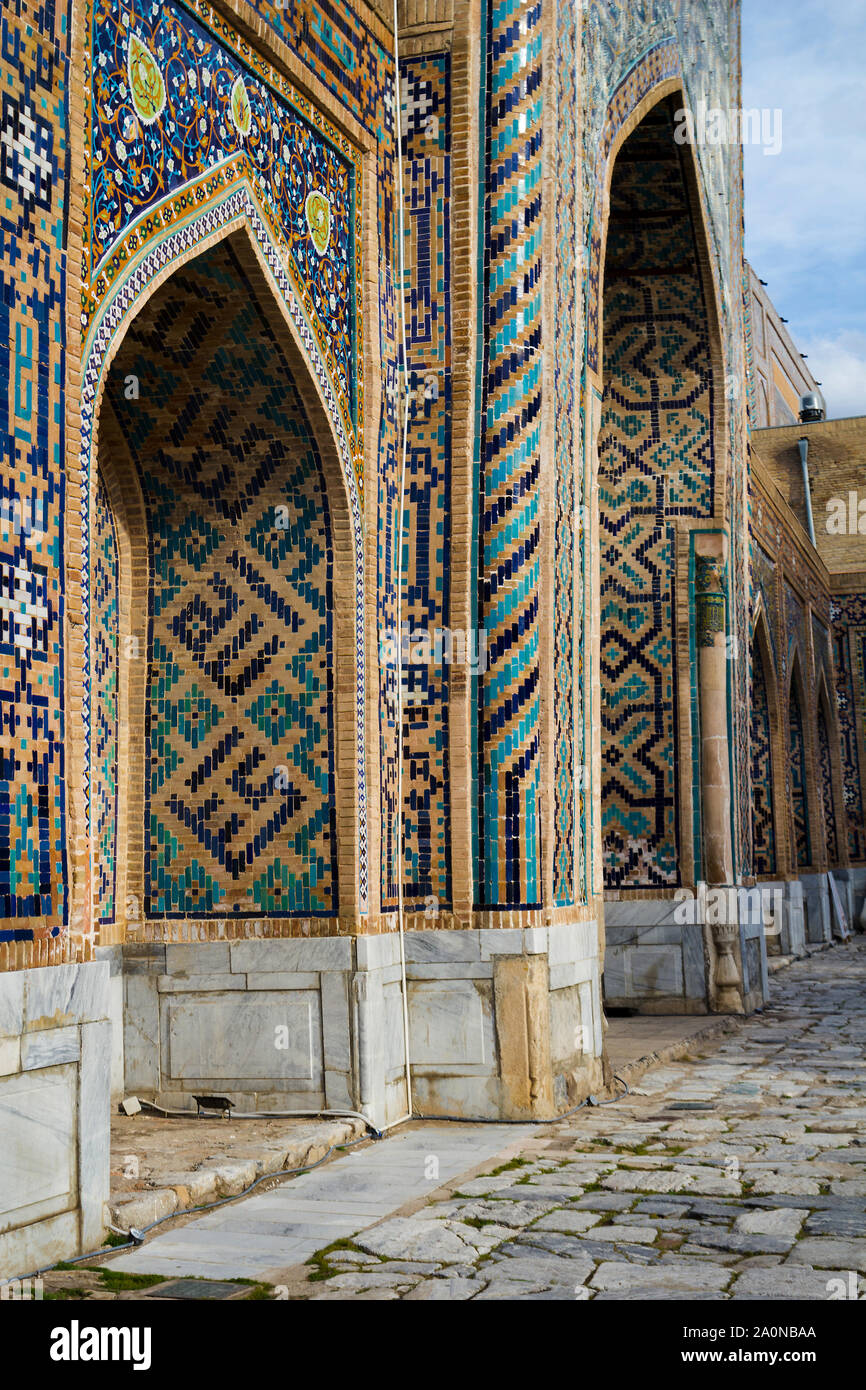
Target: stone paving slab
(733, 1170)
(755, 1195)
(317, 1208)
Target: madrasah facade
(421, 628)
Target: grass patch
(509, 1167)
(59, 1295)
(118, 1281)
(321, 1266)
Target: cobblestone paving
(739, 1173)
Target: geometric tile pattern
(764, 583)
(427, 517)
(763, 820)
(655, 462)
(849, 634)
(34, 77)
(508, 730)
(825, 773)
(105, 668)
(136, 162)
(191, 155)
(337, 45)
(798, 781)
(795, 626)
(626, 50)
(239, 804)
(567, 672)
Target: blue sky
(806, 206)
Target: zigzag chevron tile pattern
(799, 782)
(763, 823)
(106, 670)
(510, 461)
(240, 781)
(849, 642)
(825, 771)
(569, 740)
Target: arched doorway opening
(218, 521)
(660, 433)
(656, 478)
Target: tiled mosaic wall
(171, 102)
(656, 462)
(799, 783)
(34, 150)
(239, 775)
(570, 788)
(105, 674)
(427, 518)
(215, 111)
(627, 51)
(226, 115)
(508, 508)
(825, 772)
(763, 818)
(849, 636)
(791, 604)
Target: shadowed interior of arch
(656, 464)
(212, 533)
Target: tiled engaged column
(711, 623)
(509, 696)
(711, 631)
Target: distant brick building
(386, 548)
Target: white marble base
(816, 902)
(55, 1036)
(206, 1017)
(659, 954)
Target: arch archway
(237, 794)
(661, 459)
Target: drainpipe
(804, 461)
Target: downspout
(803, 446)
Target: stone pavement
(736, 1174)
(270, 1231)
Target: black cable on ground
(191, 1211)
(107, 1250)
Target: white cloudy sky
(806, 207)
